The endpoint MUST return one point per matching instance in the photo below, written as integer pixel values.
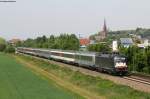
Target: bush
(2, 47)
(10, 49)
(137, 59)
(2, 44)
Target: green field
(18, 82)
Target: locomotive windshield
(120, 59)
(120, 62)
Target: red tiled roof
(84, 41)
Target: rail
(138, 79)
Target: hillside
(144, 33)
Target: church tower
(105, 29)
(103, 34)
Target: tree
(148, 59)
(2, 44)
(19, 44)
(138, 59)
(64, 41)
(29, 43)
(51, 41)
(98, 48)
(10, 49)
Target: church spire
(105, 28)
(103, 34)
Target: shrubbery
(2, 44)
(98, 48)
(2, 47)
(138, 59)
(5, 47)
(10, 49)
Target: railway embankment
(86, 80)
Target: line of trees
(64, 42)
(137, 59)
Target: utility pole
(79, 49)
(79, 40)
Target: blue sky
(32, 18)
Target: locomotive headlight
(125, 64)
(120, 64)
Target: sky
(31, 18)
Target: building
(84, 42)
(126, 42)
(103, 34)
(144, 44)
(115, 46)
(14, 41)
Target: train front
(121, 67)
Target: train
(103, 62)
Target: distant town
(139, 37)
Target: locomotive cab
(120, 65)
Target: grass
(18, 82)
(96, 85)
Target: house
(84, 42)
(126, 42)
(14, 41)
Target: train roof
(75, 52)
(59, 50)
(39, 49)
(87, 53)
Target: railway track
(138, 79)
